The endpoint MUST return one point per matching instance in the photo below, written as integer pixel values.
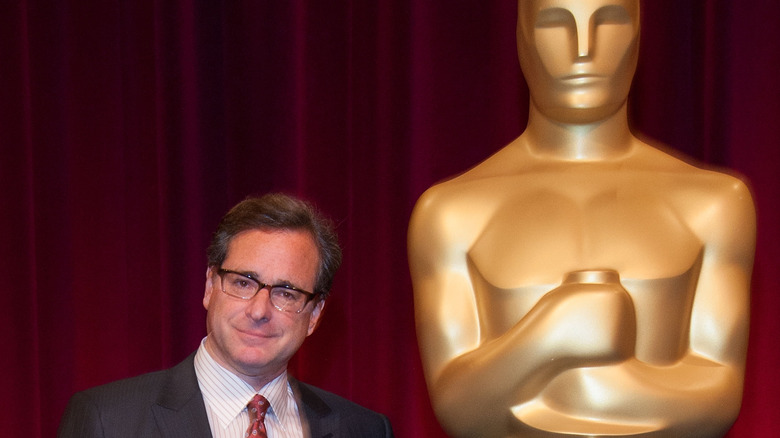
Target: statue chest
(532, 241)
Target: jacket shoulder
(326, 411)
(133, 406)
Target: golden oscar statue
(580, 282)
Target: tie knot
(257, 407)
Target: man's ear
(210, 279)
(316, 314)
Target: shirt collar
(228, 395)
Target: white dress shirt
(226, 396)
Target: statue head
(578, 56)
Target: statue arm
(473, 382)
(706, 385)
(721, 307)
(720, 319)
(467, 379)
(700, 394)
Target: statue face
(578, 56)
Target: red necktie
(257, 408)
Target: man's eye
(240, 282)
(286, 294)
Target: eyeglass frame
(309, 295)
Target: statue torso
(527, 230)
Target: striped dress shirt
(226, 396)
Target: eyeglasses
(284, 297)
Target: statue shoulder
(449, 215)
(707, 182)
(720, 208)
(442, 202)
(717, 185)
(458, 194)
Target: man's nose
(259, 306)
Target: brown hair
(277, 211)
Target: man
(271, 265)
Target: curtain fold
(128, 128)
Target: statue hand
(589, 321)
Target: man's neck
(255, 379)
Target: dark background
(127, 128)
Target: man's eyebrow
(287, 283)
(251, 274)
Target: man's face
(252, 338)
(578, 56)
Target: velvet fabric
(129, 127)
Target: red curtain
(129, 127)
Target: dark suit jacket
(169, 404)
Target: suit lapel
(317, 417)
(180, 411)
